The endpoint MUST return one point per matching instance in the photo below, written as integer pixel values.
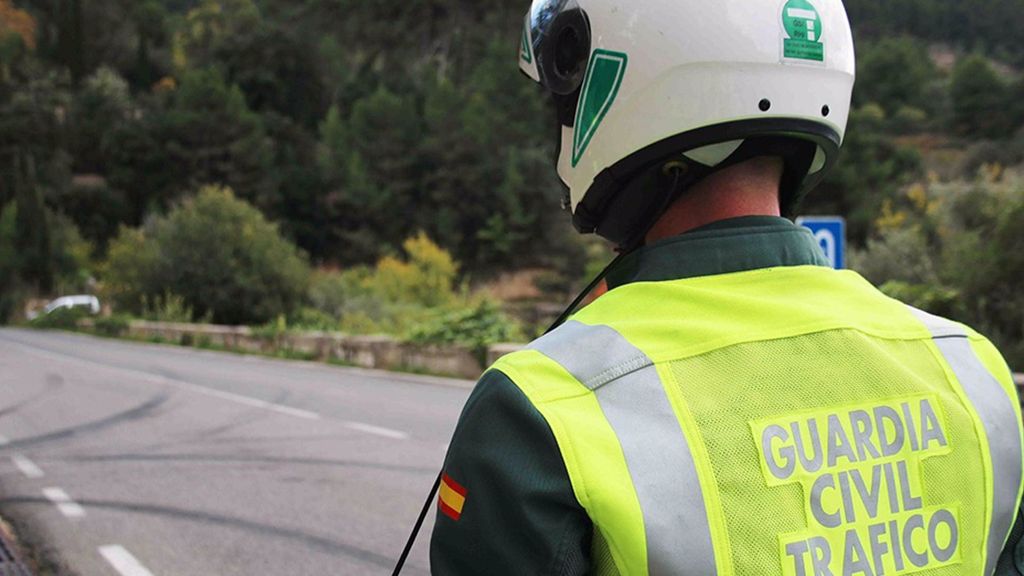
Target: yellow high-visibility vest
(784, 421)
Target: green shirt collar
(724, 247)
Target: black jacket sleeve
(520, 515)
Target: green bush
(272, 331)
(391, 297)
(476, 326)
(426, 276)
(899, 254)
(909, 119)
(218, 254)
(167, 308)
(114, 326)
(893, 73)
(936, 299)
(989, 152)
(60, 319)
(412, 297)
(307, 318)
(981, 100)
(338, 294)
(872, 168)
(129, 269)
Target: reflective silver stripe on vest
(998, 415)
(594, 355)
(657, 454)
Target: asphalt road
(134, 459)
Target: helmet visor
(559, 40)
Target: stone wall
(378, 352)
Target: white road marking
(377, 430)
(4, 441)
(236, 398)
(27, 467)
(123, 561)
(65, 504)
(246, 400)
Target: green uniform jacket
(519, 514)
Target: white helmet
(644, 84)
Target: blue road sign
(830, 232)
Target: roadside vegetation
(373, 167)
(957, 250)
(216, 259)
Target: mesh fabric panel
(603, 564)
(727, 389)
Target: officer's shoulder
(570, 334)
(551, 366)
(991, 358)
(990, 355)
(495, 387)
(938, 324)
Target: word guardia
(860, 469)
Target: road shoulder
(28, 546)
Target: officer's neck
(747, 189)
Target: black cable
(419, 524)
(672, 194)
(586, 292)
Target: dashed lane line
(376, 430)
(64, 503)
(245, 400)
(27, 467)
(123, 561)
(157, 379)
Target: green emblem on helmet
(600, 87)
(524, 50)
(802, 23)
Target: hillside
(355, 125)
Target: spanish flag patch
(451, 498)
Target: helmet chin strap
(625, 212)
(684, 174)
(678, 171)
